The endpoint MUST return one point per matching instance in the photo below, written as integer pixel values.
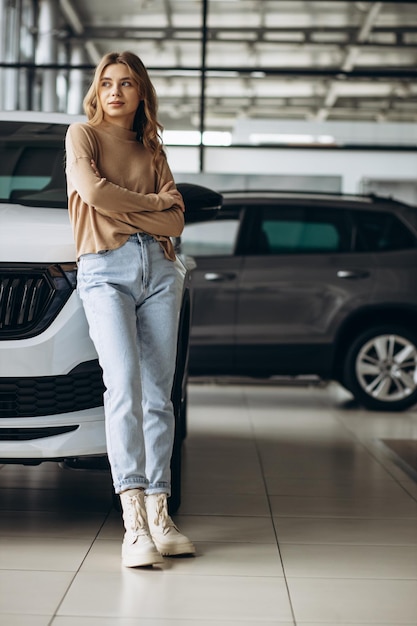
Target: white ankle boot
(166, 536)
(138, 549)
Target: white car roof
(40, 116)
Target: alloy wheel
(386, 367)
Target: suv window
(379, 231)
(298, 231)
(214, 238)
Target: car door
(214, 283)
(298, 281)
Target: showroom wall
(324, 169)
(383, 159)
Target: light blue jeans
(132, 298)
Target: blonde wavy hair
(146, 124)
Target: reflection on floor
(299, 515)
(405, 453)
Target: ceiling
(267, 59)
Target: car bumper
(54, 352)
(34, 373)
(30, 439)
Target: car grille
(33, 397)
(31, 295)
(27, 434)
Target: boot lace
(137, 516)
(161, 515)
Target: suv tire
(380, 368)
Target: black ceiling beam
(364, 1)
(254, 72)
(343, 36)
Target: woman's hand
(95, 168)
(170, 196)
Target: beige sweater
(105, 211)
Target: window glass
(35, 170)
(299, 236)
(380, 231)
(300, 231)
(214, 238)
(32, 164)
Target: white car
(51, 387)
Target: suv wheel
(381, 368)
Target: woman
(124, 207)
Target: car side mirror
(201, 203)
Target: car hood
(37, 235)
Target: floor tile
(211, 559)
(263, 466)
(48, 500)
(324, 561)
(311, 461)
(70, 524)
(33, 592)
(331, 487)
(403, 507)
(230, 482)
(217, 503)
(42, 553)
(208, 475)
(335, 601)
(156, 594)
(373, 425)
(126, 621)
(409, 487)
(351, 531)
(249, 529)
(25, 620)
(207, 528)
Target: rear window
(32, 170)
(381, 231)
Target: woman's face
(118, 94)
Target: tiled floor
(299, 514)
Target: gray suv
(309, 284)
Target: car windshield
(32, 164)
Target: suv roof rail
(371, 196)
(382, 198)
